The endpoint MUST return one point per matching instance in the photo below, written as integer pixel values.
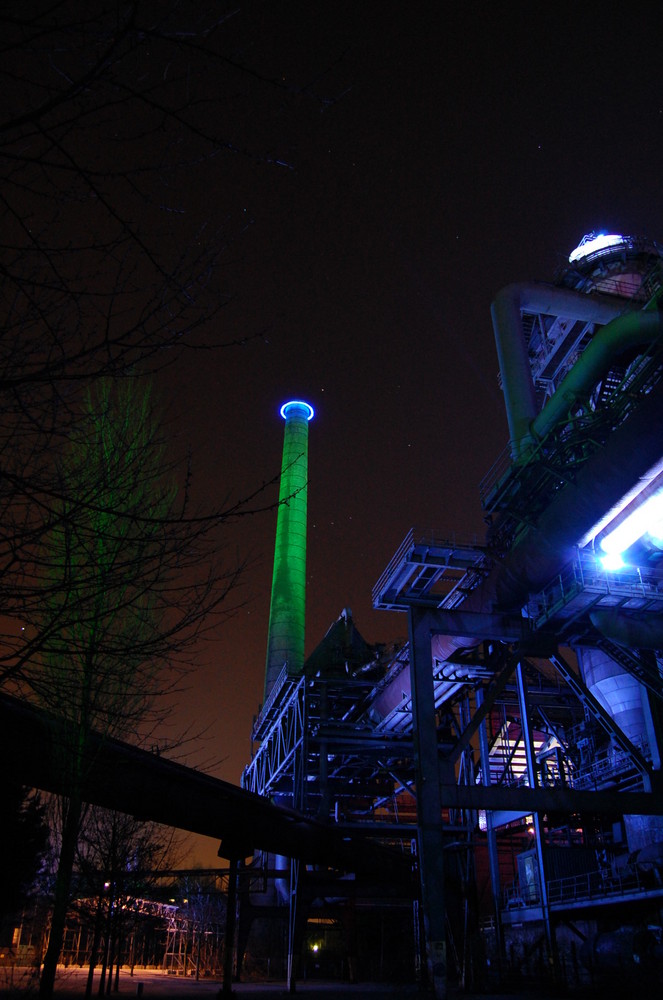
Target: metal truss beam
(276, 755)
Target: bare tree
(106, 269)
(102, 265)
(118, 862)
(113, 114)
(125, 585)
(204, 908)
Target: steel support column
(231, 924)
(294, 920)
(533, 780)
(297, 913)
(493, 859)
(429, 803)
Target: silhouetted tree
(118, 860)
(109, 258)
(23, 845)
(128, 586)
(204, 907)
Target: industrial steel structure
(512, 748)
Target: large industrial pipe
(627, 703)
(392, 703)
(512, 347)
(547, 546)
(618, 692)
(287, 611)
(631, 457)
(628, 331)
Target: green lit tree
(104, 271)
(112, 118)
(115, 115)
(128, 587)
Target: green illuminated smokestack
(287, 611)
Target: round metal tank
(617, 691)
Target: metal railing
(426, 538)
(586, 572)
(585, 888)
(609, 765)
(600, 885)
(499, 471)
(263, 715)
(393, 564)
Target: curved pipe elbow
(513, 349)
(636, 329)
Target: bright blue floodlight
(646, 519)
(612, 562)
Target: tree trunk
(95, 946)
(61, 897)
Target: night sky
(394, 166)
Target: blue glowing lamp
(297, 407)
(612, 562)
(646, 519)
